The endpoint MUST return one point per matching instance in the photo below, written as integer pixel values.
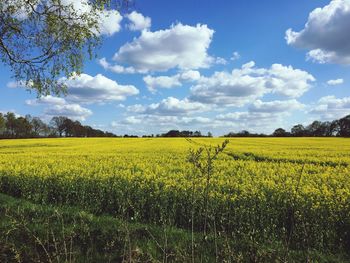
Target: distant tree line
(177, 133)
(339, 128)
(12, 126)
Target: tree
(59, 124)
(244, 133)
(280, 133)
(22, 128)
(344, 126)
(334, 128)
(172, 133)
(39, 127)
(325, 129)
(197, 134)
(2, 124)
(10, 123)
(42, 40)
(298, 130)
(314, 129)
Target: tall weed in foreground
(203, 160)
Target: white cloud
(138, 21)
(235, 56)
(72, 111)
(248, 118)
(55, 106)
(131, 120)
(109, 22)
(168, 82)
(334, 82)
(220, 61)
(160, 124)
(171, 113)
(245, 85)
(330, 107)
(118, 68)
(98, 89)
(47, 100)
(261, 113)
(276, 106)
(87, 89)
(180, 46)
(190, 75)
(137, 108)
(325, 34)
(287, 81)
(170, 107)
(251, 121)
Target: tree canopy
(339, 127)
(14, 127)
(43, 40)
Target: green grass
(38, 233)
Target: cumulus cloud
(98, 89)
(276, 106)
(245, 85)
(180, 46)
(55, 106)
(246, 117)
(161, 82)
(172, 113)
(190, 75)
(138, 21)
(262, 111)
(88, 89)
(162, 123)
(167, 82)
(325, 34)
(260, 115)
(131, 120)
(330, 107)
(334, 82)
(169, 107)
(108, 20)
(72, 111)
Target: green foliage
(37, 233)
(42, 40)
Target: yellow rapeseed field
(260, 186)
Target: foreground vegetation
(268, 199)
(44, 233)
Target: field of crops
(293, 190)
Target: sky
(217, 66)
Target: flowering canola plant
(265, 188)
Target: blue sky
(209, 66)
